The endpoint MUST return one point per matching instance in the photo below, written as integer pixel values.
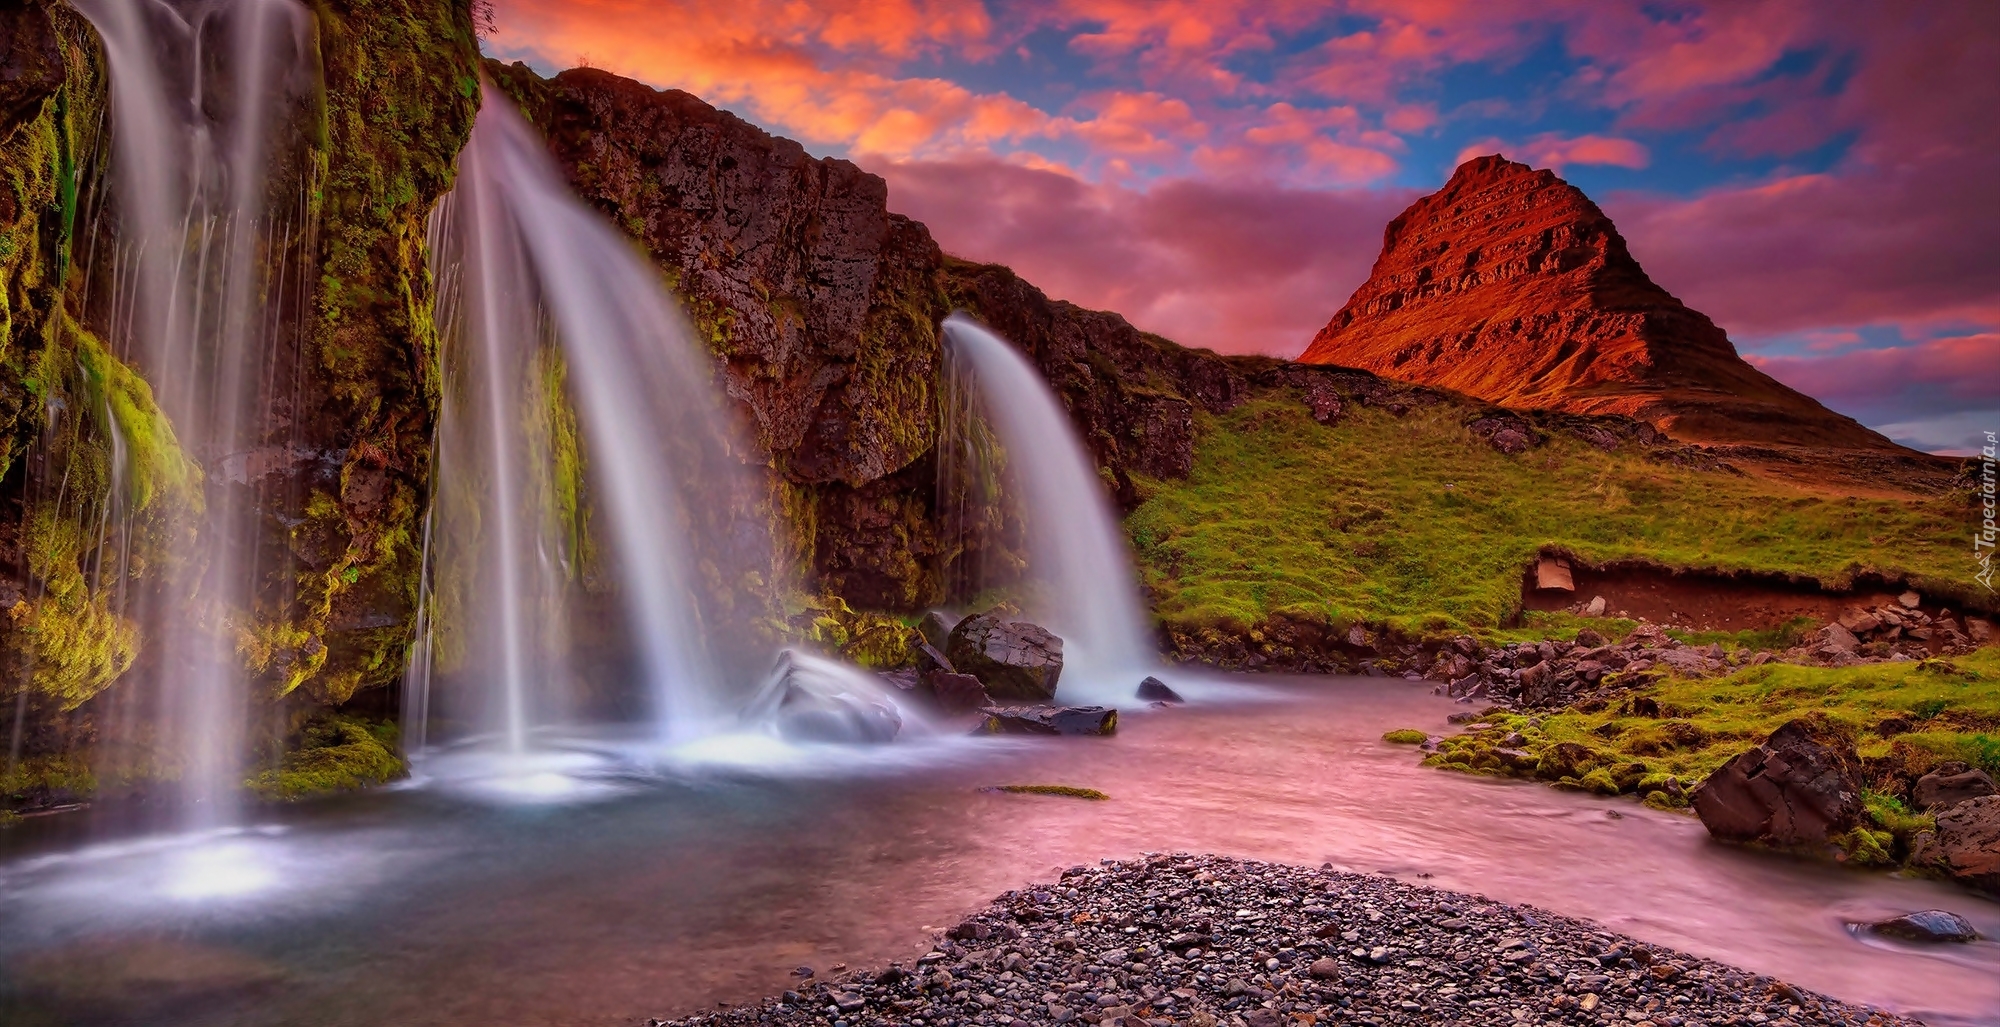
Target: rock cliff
(1509, 284)
(822, 308)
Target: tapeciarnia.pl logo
(1983, 538)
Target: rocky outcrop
(1797, 790)
(1013, 659)
(1509, 284)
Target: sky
(1822, 177)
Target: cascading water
(212, 195)
(585, 471)
(1083, 586)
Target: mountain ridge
(1510, 285)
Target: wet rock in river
(1013, 659)
(1154, 690)
(1796, 789)
(1928, 925)
(936, 629)
(1050, 720)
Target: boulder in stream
(1013, 659)
(1927, 925)
(808, 699)
(955, 693)
(1050, 720)
(1154, 690)
(1796, 789)
(936, 629)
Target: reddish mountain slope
(1509, 284)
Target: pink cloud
(1926, 379)
(1556, 151)
(1236, 268)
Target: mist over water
(1081, 582)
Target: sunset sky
(1822, 178)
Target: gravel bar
(1213, 942)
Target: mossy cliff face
(342, 467)
(822, 308)
(401, 91)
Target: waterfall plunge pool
(708, 880)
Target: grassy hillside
(1414, 521)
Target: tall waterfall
(211, 200)
(586, 471)
(1082, 584)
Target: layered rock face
(1509, 284)
(822, 309)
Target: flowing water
(592, 494)
(708, 884)
(211, 199)
(1082, 584)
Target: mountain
(1510, 285)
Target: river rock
(955, 693)
(1928, 925)
(1013, 659)
(1796, 789)
(1154, 690)
(1951, 784)
(936, 629)
(807, 706)
(1967, 843)
(1050, 720)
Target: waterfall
(586, 470)
(207, 223)
(1082, 584)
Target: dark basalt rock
(1050, 720)
(936, 629)
(955, 693)
(1796, 789)
(1927, 925)
(1155, 690)
(1966, 843)
(1951, 784)
(1013, 659)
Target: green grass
(1905, 718)
(1415, 523)
(1406, 736)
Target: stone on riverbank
(1208, 942)
(1949, 785)
(1966, 843)
(1796, 790)
(1013, 659)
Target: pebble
(1160, 941)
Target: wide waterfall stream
(412, 908)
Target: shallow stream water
(666, 895)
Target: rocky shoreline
(1214, 942)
